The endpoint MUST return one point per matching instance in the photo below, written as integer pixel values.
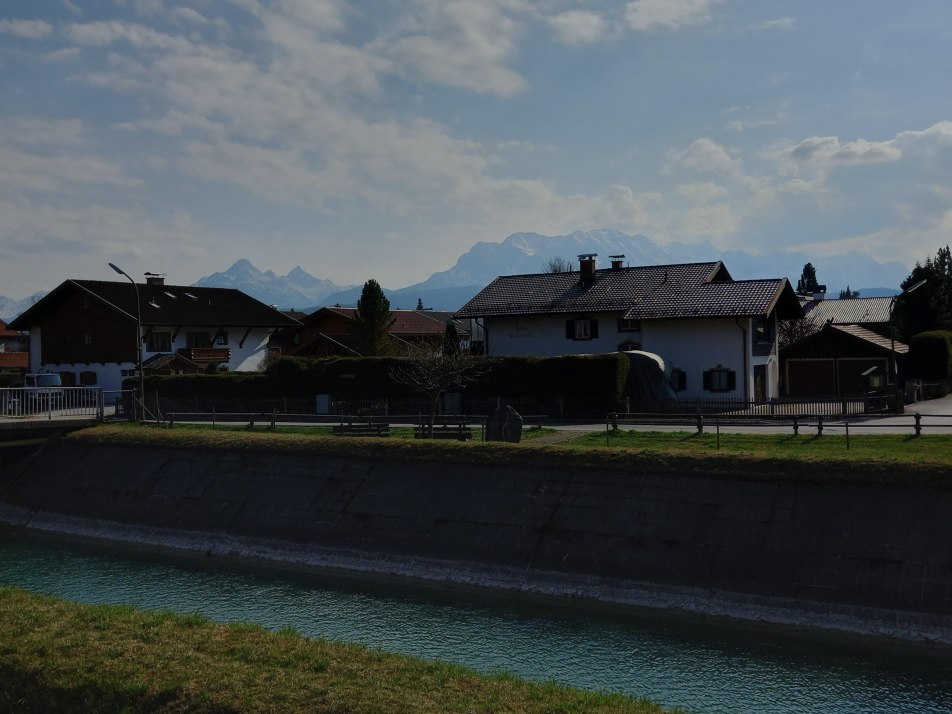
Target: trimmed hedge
(597, 377)
(930, 355)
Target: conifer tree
(372, 322)
(451, 345)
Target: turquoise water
(701, 664)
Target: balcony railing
(206, 355)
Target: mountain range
(528, 253)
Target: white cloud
(649, 15)
(781, 23)
(187, 15)
(701, 192)
(461, 44)
(578, 27)
(704, 155)
(64, 54)
(30, 29)
(716, 221)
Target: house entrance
(760, 383)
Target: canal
(701, 664)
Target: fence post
(700, 424)
(101, 404)
(918, 426)
(819, 425)
(251, 422)
(614, 421)
(796, 427)
(847, 434)
(273, 415)
(213, 415)
(718, 424)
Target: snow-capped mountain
(298, 289)
(10, 308)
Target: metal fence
(875, 403)
(50, 402)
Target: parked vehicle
(41, 392)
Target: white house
(88, 331)
(719, 335)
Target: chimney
(154, 278)
(617, 261)
(586, 267)
(820, 292)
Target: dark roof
(872, 337)
(405, 322)
(848, 311)
(641, 293)
(166, 305)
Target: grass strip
(888, 459)
(58, 656)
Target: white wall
(692, 345)
(245, 358)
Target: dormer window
(629, 325)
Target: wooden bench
(460, 432)
(362, 429)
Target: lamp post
(138, 335)
(892, 329)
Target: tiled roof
(14, 360)
(873, 337)
(642, 293)
(849, 311)
(168, 305)
(4, 332)
(405, 322)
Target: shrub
(930, 355)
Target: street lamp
(138, 335)
(892, 329)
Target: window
(159, 342)
(87, 378)
(581, 329)
(629, 346)
(68, 379)
(720, 379)
(679, 380)
(197, 339)
(222, 339)
(87, 339)
(763, 329)
(629, 325)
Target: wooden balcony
(206, 355)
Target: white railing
(50, 402)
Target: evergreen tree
(807, 284)
(928, 306)
(845, 294)
(451, 345)
(372, 322)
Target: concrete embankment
(862, 556)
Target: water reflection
(697, 663)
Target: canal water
(701, 664)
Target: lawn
(58, 656)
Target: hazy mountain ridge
(298, 289)
(528, 253)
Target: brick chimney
(617, 261)
(586, 267)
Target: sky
(383, 138)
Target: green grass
(57, 656)
(883, 459)
(528, 433)
(862, 448)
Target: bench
(362, 429)
(460, 432)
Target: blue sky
(382, 139)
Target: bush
(597, 378)
(930, 355)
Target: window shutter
(570, 329)
(707, 381)
(593, 329)
(731, 381)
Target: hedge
(930, 355)
(597, 377)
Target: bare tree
(559, 265)
(434, 373)
(790, 331)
